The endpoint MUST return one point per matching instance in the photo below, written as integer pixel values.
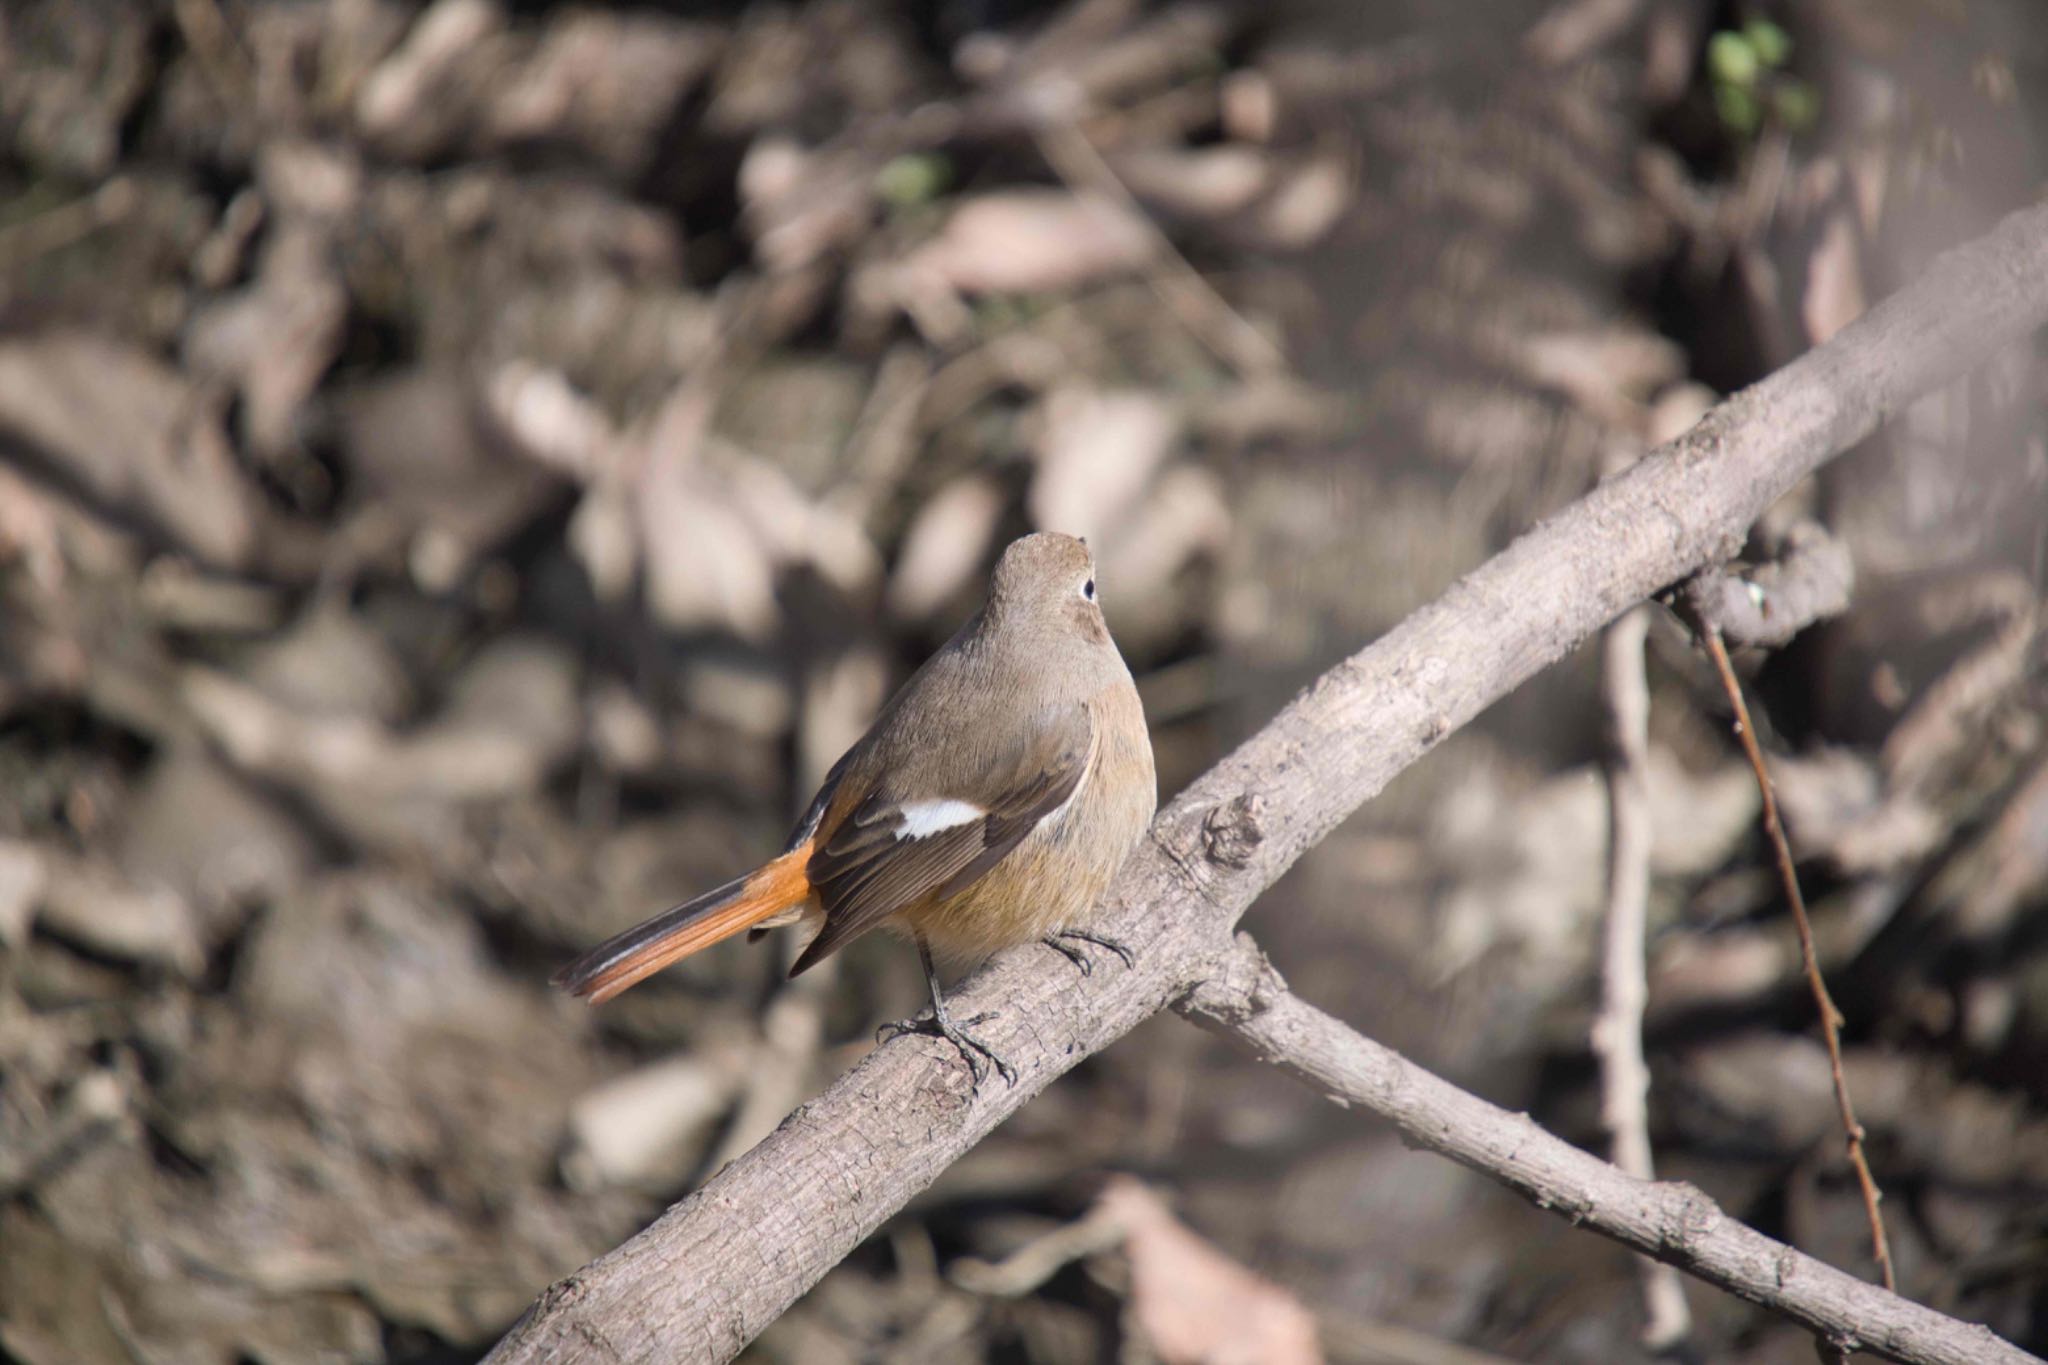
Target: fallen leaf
(1097, 453)
(1031, 241)
(946, 545)
(132, 434)
(1834, 281)
(1195, 1305)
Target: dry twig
(1830, 1018)
(1618, 1030)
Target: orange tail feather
(643, 950)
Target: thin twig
(1830, 1018)
(1618, 1030)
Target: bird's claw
(972, 1050)
(1079, 957)
(1070, 953)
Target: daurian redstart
(990, 803)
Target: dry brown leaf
(1096, 454)
(221, 844)
(1608, 372)
(424, 92)
(275, 339)
(133, 434)
(430, 472)
(946, 545)
(24, 876)
(803, 205)
(1834, 281)
(1690, 970)
(1185, 517)
(29, 532)
(1309, 202)
(549, 420)
(799, 529)
(601, 536)
(706, 567)
(1030, 241)
(1993, 885)
(603, 81)
(1195, 1305)
(511, 717)
(153, 924)
(647, 1127)
(1203, 182)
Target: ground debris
(468, 469)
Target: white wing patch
(922, 819)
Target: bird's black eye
(1088, 590)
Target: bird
(990, 804)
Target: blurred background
(466, 470)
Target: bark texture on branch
(721, 1264)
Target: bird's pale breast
(1054, 878)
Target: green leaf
(1737, 107)
(1771, 44)
(913, 178)
(1731, 60)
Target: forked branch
(720, 1265)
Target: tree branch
(1672, 1221)
(721, 1264)
(1617, 1035)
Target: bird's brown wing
(883, 857)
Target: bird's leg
(1079, 957)
(941, 1025)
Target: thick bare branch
(1671, 1220)
(712, 1272)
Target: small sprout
(1732, 60)
(913, 178)
(1746, 70)
(1737, 108)
(1771, 44)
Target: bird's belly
(1051, 881)
(1022, 898)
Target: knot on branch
(1808, 579)
(559, 1295)
(1233, 829)
(1689, 1215)
(1840, 1345)
(1239, 984)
